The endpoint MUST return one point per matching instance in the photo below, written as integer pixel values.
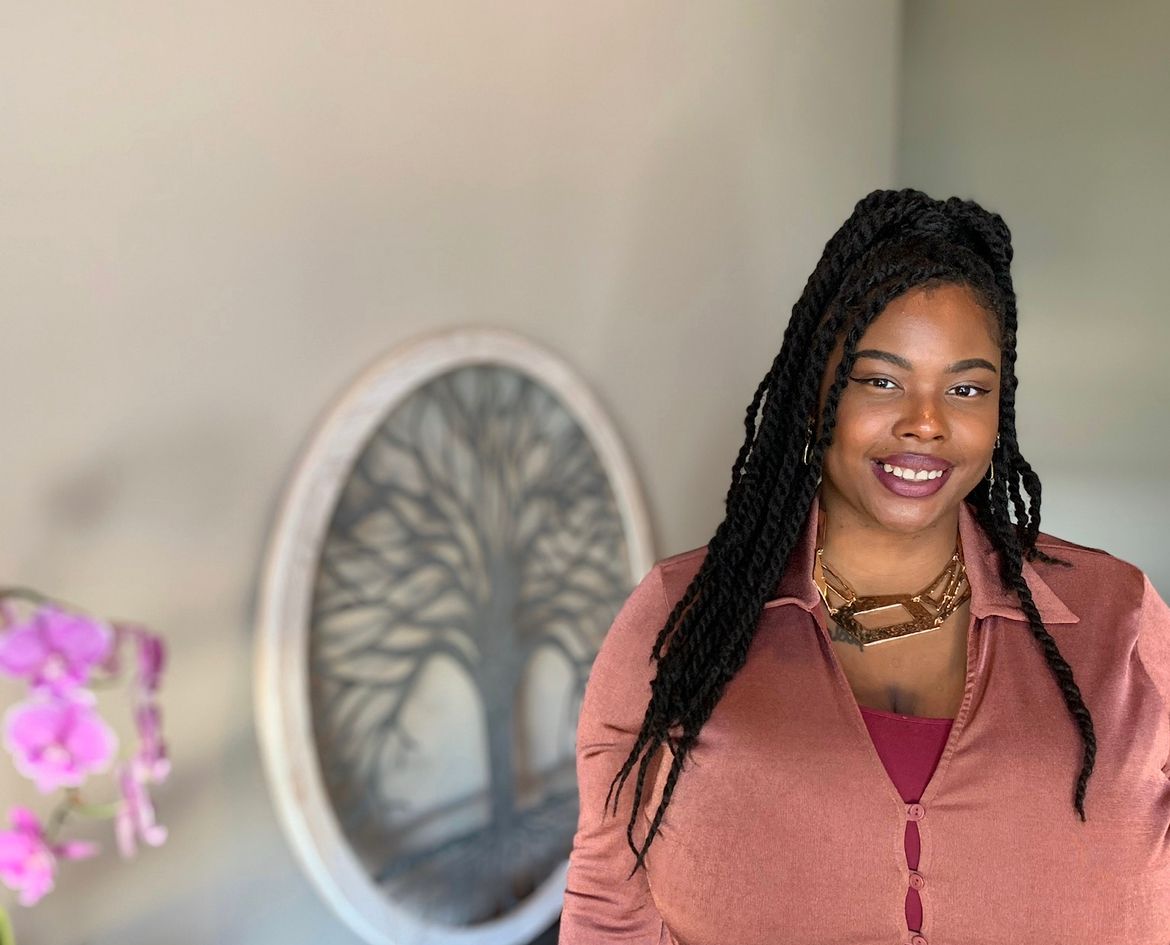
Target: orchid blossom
(28, 860)
(59, 741)
(55, 650)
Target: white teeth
(911, 475)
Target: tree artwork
(472, 565)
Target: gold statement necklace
(868, 619)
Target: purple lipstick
(912, 475)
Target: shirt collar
(989, 595)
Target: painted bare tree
(476, 534)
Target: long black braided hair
(893, 241)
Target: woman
(880, 705)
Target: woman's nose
(923, 417)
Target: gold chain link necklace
(863, 617)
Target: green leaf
(6, 936)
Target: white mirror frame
(282, 704)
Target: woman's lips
(910, 489)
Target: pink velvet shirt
(785, 826)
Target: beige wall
(1056, 115)
(214, 214)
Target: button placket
(914, 814)
(976, 672)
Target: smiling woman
(918, 419)
(880, 698)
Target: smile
(910, 483)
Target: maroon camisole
(909, 747)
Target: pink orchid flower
(152, 655)
(58, 743)
(150, 764)
(55, 650)
(28, 861)
(135, 819)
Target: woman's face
(922, 400)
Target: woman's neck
(875, 560)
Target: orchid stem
(25, 593)
(36, 597)
(97, 811)
(6, 935)
(57, 819)
(73, 804)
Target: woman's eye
(875, 382)
(972, 391)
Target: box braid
(893, 241)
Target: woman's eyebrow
(964, 365)
(967, 363)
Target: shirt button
(916, 880)
(916, 812)
(918, 940)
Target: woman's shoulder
(1094, 582)
(646, 608)
(677, 571)
(1082, 570)
(1050, 543)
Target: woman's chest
(809, 845)
(923, 674)
(785, 790)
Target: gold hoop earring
(994, 450)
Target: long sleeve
(603, 903)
